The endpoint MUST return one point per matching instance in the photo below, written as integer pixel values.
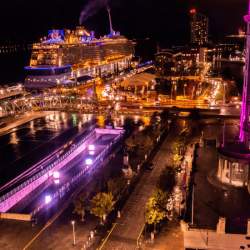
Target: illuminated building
(165, 63)
(66, 55)
(178, 60)
(199, 28)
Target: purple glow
(21, 192)
(91, 147)
(88, 161)
(46, 68)
(56, 175)
(48, 199)
(57, 181)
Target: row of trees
(160, 204)
(100, 205)
(103, 203)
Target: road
(129, 227)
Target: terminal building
(178, 60)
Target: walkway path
(129, 227)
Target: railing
(66, 187)
(39, 178)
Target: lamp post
(173, 87)
(224, 93)
(184, 89)
(224, 130)
(74, 234)
(192, 218)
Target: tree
(155, 120)
(161, 197)
(130, 143)
(79, 207)
(167, 179)
(144, 141)
(116, 185)
(176, 147)
(156, 208)
(101, 205)
(177, 160)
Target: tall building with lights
(199, 28)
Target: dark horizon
(167, 23)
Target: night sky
(163, 20)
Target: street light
(185, 85)
(56, 175)
(73, 230)
(91, 152)
(91, 147)
(224, 93)
(88, 161)
(48, 199)
(192, 215)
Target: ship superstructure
(65, 55)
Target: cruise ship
(65, 56)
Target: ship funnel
(110, 21)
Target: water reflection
(28, 138)
(119, 120)
(32, 130)
(100, 121)
(136, 119)
(34, 140)
(146, 120)
(14, 138)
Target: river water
(29, 143)
(32, 141)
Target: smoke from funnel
(92, 7)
